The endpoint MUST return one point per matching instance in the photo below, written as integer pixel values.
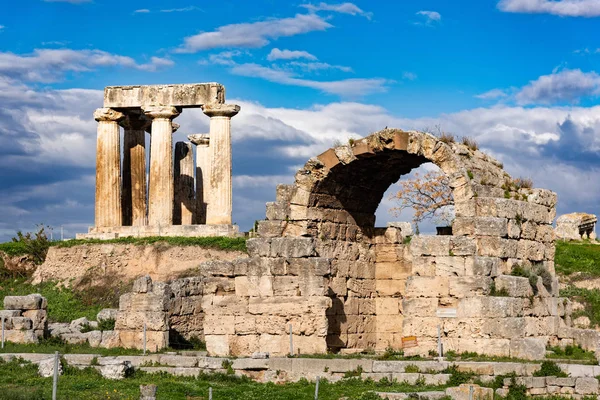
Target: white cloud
(343, 8)
(2, 27)
(492, 94)
(141, 11)
(411, 76)
(316, 66)
(560, 86)
(285, 54)
(563, 8)
(430, 16)
(256, 34)
(222, 58)
(345, 87)
(47, 65)
(182, 9)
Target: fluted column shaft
(134, 170)
(220, 193)
(184, 205)
(160, 196)
(108, 168)
(202, 175)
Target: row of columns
(121, 200)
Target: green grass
(64, 305)
(590, 298)
(220, 242)
(50, 345)
(582, 257)
(13, 248)
(22, 382)
(571, 353)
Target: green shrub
(106, 325)
(355, 373)
(550, 368)
(411, 369)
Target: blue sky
(518, 75)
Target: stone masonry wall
(320, 264)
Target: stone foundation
(105, 233)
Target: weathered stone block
(107, 314)
(135, 320)
(530, 250)
(496, 247)
(528, 348)
(142, 284)
(39, 318)
(29, 302)
(430, 245)
(426, 286)
(586, 386)
(470, 392)
(94, 338)
(143, 302)
(270, 229)
(516, 286)
(469, 286)
(134, 339)
(258, 247)
(292, 247)
(491, 226)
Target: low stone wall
(25, 318)
(552, 386)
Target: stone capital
(108, 114)
(135, 121)
(199, 139)
(221, 110)
(161, 112)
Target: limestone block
(530, 250)
(361, 287)
(107, 314)
(178, 361)
(217, 345)
(466, 209)
(142, 284)
(277, 210)
(391, 288)
(19, 336)
(74, 338)
(219, 324)
(430, 245)
(469, 286)
(391, 270)
(528, 348)
(21, 323)
(94, 338)
(479, 265)
(586, 386)
(422, 266)
(271, 229)
(463, 392)
(7, 314)
(509, 208)
(588, 339)
(417, 326)
(278, 306)
(529, 230)
(493, 347)
(143, 302)
(426, 286)
(537, 213)
(134, 339)
(135, 320)
(463, 226)
(516, 286)
(491, 226)
(387, 306)
(258, 247)
(313, 266)
(46, 368)
(116, 371)
(424, 307)
(292, 247)
(338, 286)
(567, 382)
(514, 229)
(496, 247)
(511, 327)
(542, 197)
(245, 325)
(29, 302)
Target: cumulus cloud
(317, 66)
(343, 8)
(182, 9)
(252, 35)
(568, 85)
(430, 16)
(492, 94)
(277, 54)
(563, 8)
(345, 87)
(411, 76)
(48, 65)
(141, 11)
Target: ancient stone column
(184, 206)
(108, 168)
(134, 170)
(219, 196)
(202, 175)
(160, 196)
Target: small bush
(523, 183)
(36, 245)
(550, 368)
(498, 293)
(106, 325)
(458, 377)
(447, 138)
(411, 369)
(470, 143)
(355, 373)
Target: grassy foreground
(23, 383)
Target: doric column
(219, 196)
(160, 196)
(108, 168)
(183, 208)
(202, 175)
(134, 170)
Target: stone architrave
(202, 175)
(184, 205)
(134, 170)
(219, 198)
(160, 196)
(108, 168)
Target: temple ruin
(163, 198)
(321, 277)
